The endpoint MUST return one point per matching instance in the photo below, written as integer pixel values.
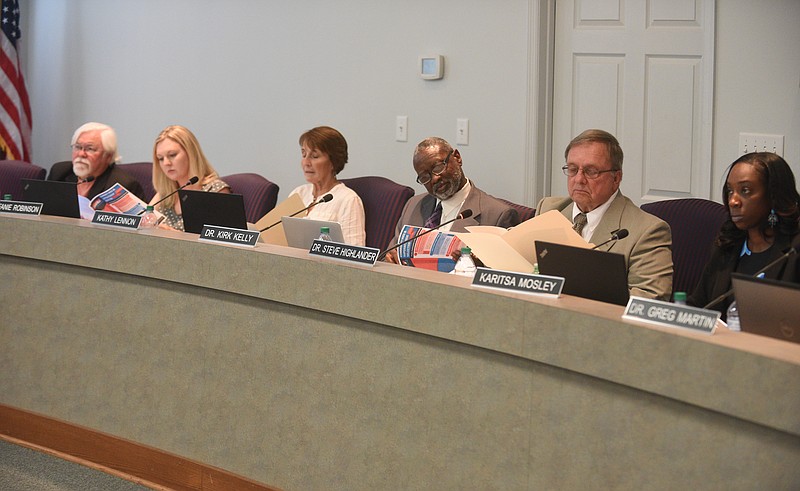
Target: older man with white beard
(438, 167)
(93, 166)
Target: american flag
(15, 109)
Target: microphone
(788, 252)
(83, 181)
(618, 234)
(191, 181)
(323, 199)
(464, 214)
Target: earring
(772, 219)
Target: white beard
(81, 168)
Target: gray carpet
(23, 469)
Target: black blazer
(62, 171)
(716, 278)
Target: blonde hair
(198, 163)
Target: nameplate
(518, 282)
(671, 315)
(20, 207)
(344, 252)
(116, 219)
(225, 235)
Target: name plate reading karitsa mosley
(20, 207)
(518, 282)
(344, 252)
(671, 315)
(226, 235)
(116, 219)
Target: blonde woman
(177, 157)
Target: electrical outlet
(462, 131)
(757, 142)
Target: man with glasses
(93, 166)
(597, 209)
(438, 168)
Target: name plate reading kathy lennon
(345, 252)
(671, 315)
(20, 207)
(518, 282)
(225, 235)
(116, 219)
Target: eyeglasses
(437, 170)
(588, 172)
(90, 150)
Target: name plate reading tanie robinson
(226, 235)
(671, 315)
(116, 219)
(518, 282)
(20, 207)
(344, 252)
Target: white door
(643, 71)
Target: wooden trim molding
(117, 456)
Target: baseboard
(127, 459)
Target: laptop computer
(57, 197)
(301, 232)
(203, 208)
(768, 307)
(588, 273)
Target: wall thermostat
(431, 67)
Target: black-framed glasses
(437, 170)
(588, 172)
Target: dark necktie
(436, 217)
(580, 222)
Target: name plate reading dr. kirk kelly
(671, 315)
(116, 219)
(20, 207)
(518, 282)
(344, 252)
(226, 235)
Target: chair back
(11, 174)
(525, 212)
(383, 201)
(695, 223)
(260, 194)
(142, 172)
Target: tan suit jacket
(647, 248)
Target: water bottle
(465, 265)
(149, 219)
(733, 317)
(325, 234)
(680, 298)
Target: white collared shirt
(452, 205)
(593, 217)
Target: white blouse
(345, 208)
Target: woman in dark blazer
(763, 211)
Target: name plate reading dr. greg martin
(518, 282)
(671, 315)
(226, 235)
(116, 219)
(344, 252)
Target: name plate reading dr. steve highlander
(116, 219)
(671, 315)
(226, 235)
(344, 252)
(518, 282)
(20, 207)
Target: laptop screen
(768, 307)
(203, 208)
(301, 232)
(57, 197)
(587, 273)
